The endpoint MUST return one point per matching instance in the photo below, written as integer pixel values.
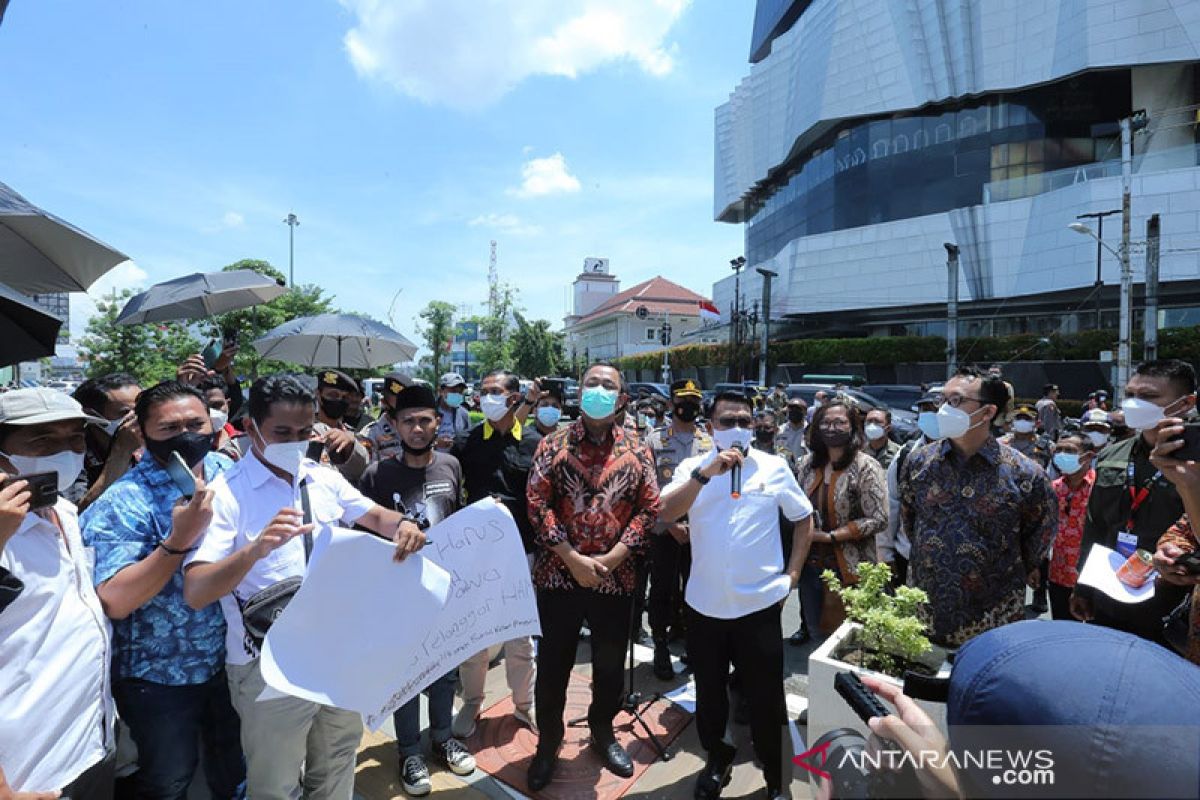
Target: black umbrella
(200, 295)
(26, 330)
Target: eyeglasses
(744, 421)
(835, 425)
(956, 400)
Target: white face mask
(111, 427)
(1143, 414)
(927, 422)
(494, 406)
(733, 437)
(874, 431)
(953, 423)
(219, 418)
(283, 455)
(68, 464)
(1098, 439)
(1022, 426)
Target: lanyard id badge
(1127, 539)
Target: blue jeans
(407, 717)
(811, 599)
(167, 721)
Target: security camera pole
(951, 309)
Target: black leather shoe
(714, 777)
(615, 758)
(799, 637)
(662, 661)
(541, 771)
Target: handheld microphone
(735, 475)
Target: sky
(404, 134)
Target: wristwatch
(699, 477)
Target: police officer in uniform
(342, 448)
(1024, 438)
(669, 551)
(379, 437)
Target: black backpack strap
(306, 507)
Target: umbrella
(200, 295)
(336, 340)
(40, 253)
(26, 330)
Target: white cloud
(470, 53)
(126, 275)
(233, 219)
(543, 176)
(506, 223)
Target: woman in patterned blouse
(849, 489)
(1181, 538)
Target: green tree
(494, 351)
(536, 350)
(436, 326)
(250, 323)
(150, 351)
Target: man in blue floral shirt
(168, 660)
(980, 515)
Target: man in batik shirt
(593, 499)
(979, 514)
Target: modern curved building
(870, 132)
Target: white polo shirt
(246, 497)
(737, 555)
(56, 710)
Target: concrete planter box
(828, 711)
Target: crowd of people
(132, 594)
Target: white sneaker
(454, 755)
(526, 718)
(414, 777)
(464, 721)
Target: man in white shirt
(257, 539)
(737, 585)
(56, 710)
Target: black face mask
(334, 409)
(835, 438)
(687, 413)
(192, 447)
(796, 417)
(764, 435)
(417, 451)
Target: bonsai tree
(892, 634)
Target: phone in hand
(1191, 443)
(211, 353)
(316, 448)
(229, 338)
(42, 488)
(1190, 562)
(181, 475)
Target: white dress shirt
(56, 710)
(246, 497)
(737, 555)
(893, 540)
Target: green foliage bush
(892, 634)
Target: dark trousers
(669, 567)
(96, 782)
(1060, 601)
(753, 644)
(167, 722)
(899, 571)
(563, 613)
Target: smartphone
(43, 488)
(229, 338)
(316, 449)
(1191, 443)
(211, 352)
(181, 475)
(556, 386)
(1190, 562)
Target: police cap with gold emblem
(686, 388)
(336, 379)
(395, 382)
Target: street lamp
(1125, 322)
(735, 317)
(951, 308)
(291, 220)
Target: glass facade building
(869, 133)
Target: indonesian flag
(709, 312)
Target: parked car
(895, 395)
(904, 421)
(570, 399)
(645, 389)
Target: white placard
(1100, 572)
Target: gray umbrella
(26, 330)
(200, 295)
(336, 340)
(41, 253)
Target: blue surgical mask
(1067, 463)
(549, 416)
(454, 399)
(597, 402)
(927, 422)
